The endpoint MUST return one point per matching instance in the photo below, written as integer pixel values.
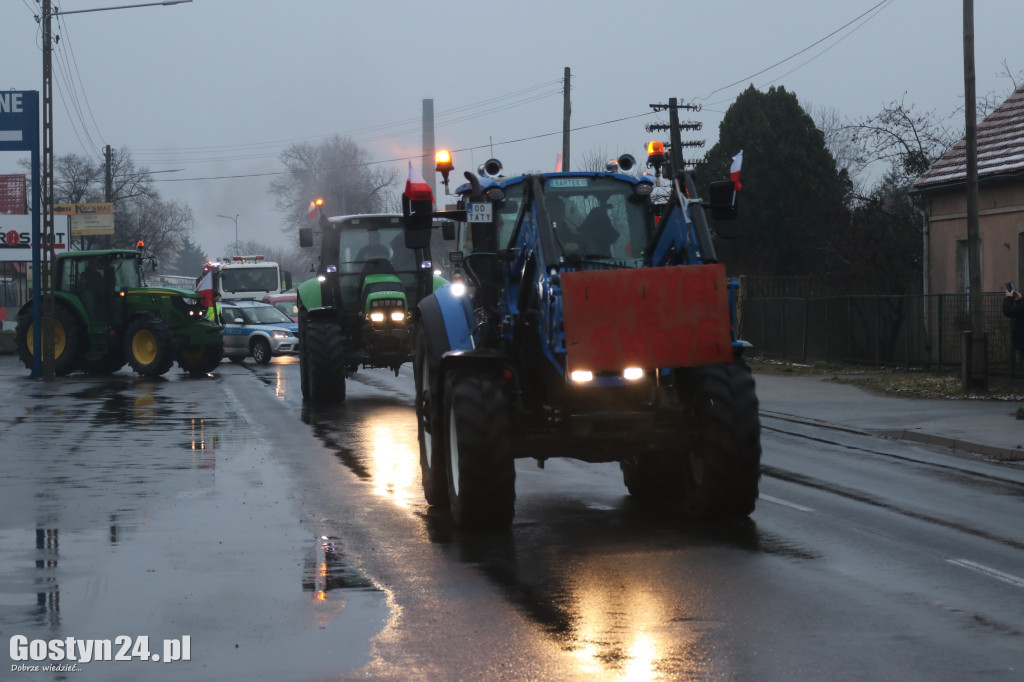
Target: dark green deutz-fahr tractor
(355, 312)
(104, 318)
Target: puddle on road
(376, 440)
(123, 502)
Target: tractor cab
(98, 278)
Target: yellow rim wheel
(144, 346)
(59, 339)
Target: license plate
(479, 212)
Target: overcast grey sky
(219, 88)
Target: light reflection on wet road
(154, 507)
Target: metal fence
(913, 331)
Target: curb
(955, 444)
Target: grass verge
(897, 383)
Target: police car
(256, 329)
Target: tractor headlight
(190, 301)
(397, 316)
(376, 316)
(581, 376)
(633, 373)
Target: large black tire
(201, 360)
(480, 466)
(69, 340)
(261, 353)
(303, 355)
(325, 366)
(149, 346)
(105, 363)
(723, 466)
(654, 476)
(429, 424)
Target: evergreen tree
(188, 260)
(793, 196)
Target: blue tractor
(586, 322)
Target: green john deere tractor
(104, 317)
(355, 312)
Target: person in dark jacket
(1013, 307)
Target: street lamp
(235, 219)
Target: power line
(410, 158)
(797, 54)
(67, 39)
(355, 132)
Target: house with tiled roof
(1000, 205)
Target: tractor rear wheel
(69, 340)
(723, 466)
(480, 465)
(428, 423)
(654, 476)
(149, 346)
(325, 361)
(200, 360)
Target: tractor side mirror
(722, 195)
(419, 221)
(448, 231)
(305, 237)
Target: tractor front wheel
(325, 361)
(200, 360)
(480, 465)
(723, 466)
(149, 346)
(428, 423)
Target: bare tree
(339, 171)
(139, 213)
(987, 103)
(840, 141)
(903, 139)
(164, 226)
(593, 161)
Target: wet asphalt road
(294, 544)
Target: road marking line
(991, 572)
(791, 505)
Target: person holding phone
(1013, 307)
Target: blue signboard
(19, 132)
(19, 120)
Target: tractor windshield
(597, 218)
(360, 243)
(363, 243)
(94, 273)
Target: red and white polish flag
(416, 188)
(734, 170)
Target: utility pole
(108, 183)
(566, 114)
(46, 203)
(428, 146)
(674, 127)
(976, 340)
